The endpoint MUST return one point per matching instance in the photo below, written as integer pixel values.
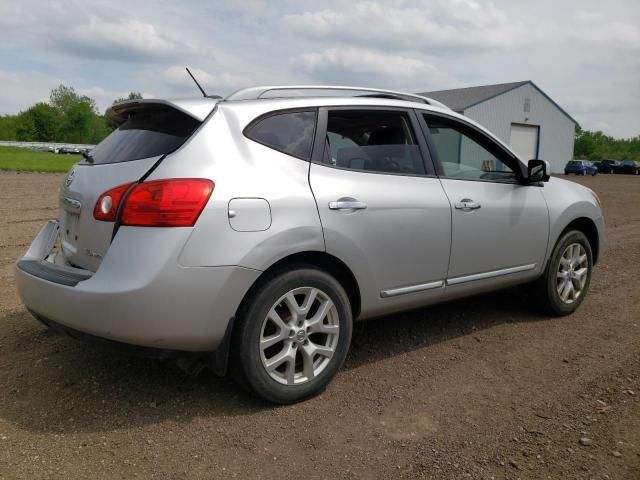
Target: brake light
(175, 202)
(107, 205)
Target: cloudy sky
(584, 53)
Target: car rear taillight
(175, 202)
(107, 205)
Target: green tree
(8, 125)
(77, 113)
(40, 123)
(99, 128)
(584, 144)
(65, 98)
(76, 124)
(598, 146)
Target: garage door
(524, 140)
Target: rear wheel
(293, 335)
(566, 280)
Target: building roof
(459, 99)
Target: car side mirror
(538, 171)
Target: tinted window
(375, 141)
(462, 156)
(290, 132)
(146, 133)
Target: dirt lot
(481, 388)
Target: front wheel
(293, 335)
(565, 282)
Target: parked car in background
(609, 166)
(256, 230)
(69, 150)
(630, 167)
(580, 167)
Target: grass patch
(27, 160)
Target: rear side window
(148, 132)
(288, 132)
(372, 140)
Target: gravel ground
(480, 388)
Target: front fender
(567, 202)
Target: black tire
(546, 286)
(247, 364)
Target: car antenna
(204, 94)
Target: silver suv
(253, 231)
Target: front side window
(463, 157)
(288, 132)
(373, 141)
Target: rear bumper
(139, 295)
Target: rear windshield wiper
(87, 156)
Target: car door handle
(347, 205)
(467, 204)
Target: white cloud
(370, 68)
(591, 30)
(21, 90)
(436, 27)
(123, 40)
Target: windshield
(149, 132)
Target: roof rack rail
(256, 93)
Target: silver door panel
(510, 229)
(397, 244)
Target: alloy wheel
(299, 336)
(572, 273)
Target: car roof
(288, 91)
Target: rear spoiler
(197, 108)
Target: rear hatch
(147, 130)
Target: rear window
(573, 163)
(147, 132)
(288, 132)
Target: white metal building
(521, 115)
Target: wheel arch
(588, 227)
(219, 360)
(318, 259)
